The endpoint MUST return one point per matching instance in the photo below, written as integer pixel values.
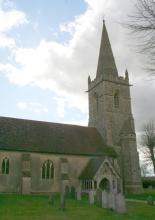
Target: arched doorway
(105, 185)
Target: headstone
(99, 197)
(72, 192)
(105, 199)
(62, 202)
(150, 187)
(91, 197)
(120, 203)
(78, 195)
(111, 200)
(150, 200)
(51, 198)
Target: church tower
(110, 112)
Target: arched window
(116, 100)
(5, 166)
(47, 170)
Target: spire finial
(126, 74)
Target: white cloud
(7, 4)
(6, 41)
(83, 122)
(10, 19)
(22, 105)
(60, 107)
(32, 106)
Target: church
(43, 157)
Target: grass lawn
(19, 207)
(142, 196)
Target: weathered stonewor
(91, 197)
(62, 201)
(110, 112)
(120, 203)
(105, 199)
(99, 197)
(78, 195)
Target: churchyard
(38, 207)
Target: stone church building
(43, 157)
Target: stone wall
(13, 182)
(115, 123)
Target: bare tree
(142, 26)
(144, 169)
(148, 143)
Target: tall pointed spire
(106, 61)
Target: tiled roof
(38, 136)
(91, 168)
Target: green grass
(142, 196)
(19, 207)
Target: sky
(48, 49)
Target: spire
(106, 62)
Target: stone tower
(110, 112)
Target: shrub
(148, 182)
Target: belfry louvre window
(48, 170)
(116, 100)
(96, 101)
(5, 166)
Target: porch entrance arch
(105, 185)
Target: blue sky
(48, 49)
(43, 20)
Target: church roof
(106, 61)
(46, 137)
(91, 168)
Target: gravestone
(99, 197)
(105, 199)
(91, 197)
(51, 198)
(62, 201)
(73, 192)
(111, 200)
(120, 203)
(150, 200)
(78, 195)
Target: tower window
(47, 170)
(96, 99)
(116, 100)
(5, 166)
